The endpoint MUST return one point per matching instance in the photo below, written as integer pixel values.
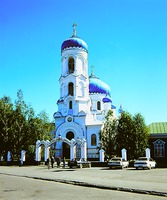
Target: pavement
(152, 182)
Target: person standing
(64, 162)
(58, 161)
(48, 163)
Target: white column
(101, 155)
(46, 153)
(9, 156)
(38, 153)
(84, 151)
(124, 154)
(38, 148)
(72, 152)
(23, 156)
(148, 153)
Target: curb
(85, 184)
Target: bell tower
(74, 80)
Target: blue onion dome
(106, 100)
(113, 107)
(74, 42)
(98, 86)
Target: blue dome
(98, 86)
(107, 100)
(74, 42)
(113, 107)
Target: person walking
(52, 161)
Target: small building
(158, 142)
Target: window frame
(98, 105)
(159, 148)
(71, 65)
(71, 89)
(93, 140)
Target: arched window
(93, 140)
(70, 135)
(71, 89)
(98, 105)
(71, 65)
(70, 104)
(159, 148)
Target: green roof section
(158, 128)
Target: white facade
(84, 100)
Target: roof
(98, 86)
(74, 42)
(158, 128)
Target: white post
(124, 154)
(37, 151)
(38, 154)
(84, 151)
(9, 156)
(23, 156)
(148, 153)
(46, 153)
(101, 155)
(72, 152)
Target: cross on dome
(74, 30)
(92, 70)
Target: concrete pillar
(101, 155)
(23, 155)
(72, 152)
(46, 153)
(148, 153)
(84, 151)
(9, 156)
(124, 154)
(38, 154)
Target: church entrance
(66, 147)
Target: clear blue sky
(127, 41)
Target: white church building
(84, 101)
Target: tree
(125, 137)
(142, 135)
(132, 134)
(107, 135)
(20, 128)
(6, 118)
(45, 127)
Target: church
(84, 100)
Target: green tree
(132, 134)
(142, 135)
(107, 135)
(20, 125)
(20, 128)
(6, 120)
(125, 137)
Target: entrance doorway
(66, 147)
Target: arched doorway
(66, 147)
